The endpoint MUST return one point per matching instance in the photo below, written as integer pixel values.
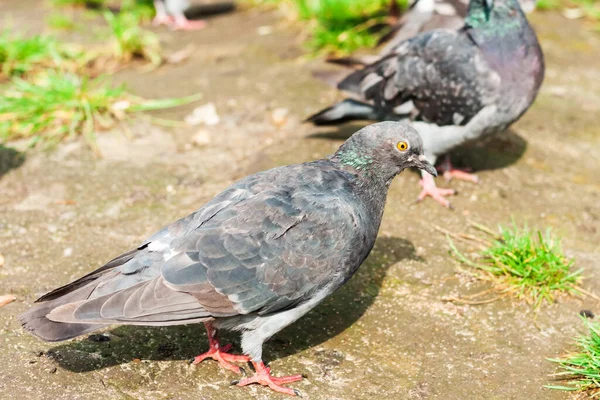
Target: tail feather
(92, 276)
(36, 322)
(349, 110)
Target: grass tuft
(131, 40)
(581, 370)
(339, 26)
(527, 264)
(61, 22)
(57, 106)
(20, 56)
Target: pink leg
(263, 377)
(436, 193)
(450, 172)
(161, 18)
(219, 354)
(184, 24)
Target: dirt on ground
(388, 333)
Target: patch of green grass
(548, 4)
(343, 26)
(143, 8)
(581, 370)
(340, 26)
(131, 40)
(61, 22)
(590, 8)
(527, 264)
(57, 106)
(19, 56)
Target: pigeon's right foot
(453, 173)
(183, 24)
(163, 20)
(162, 17)
(263, 377)
(436, 193)
(218, 353)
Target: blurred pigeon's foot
(218, 353)
(184, 24)
(436, 193)
(163, 20)
(263, 377)
(450, 172)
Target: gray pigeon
(170, 13)
(455, 86)
(254, 259)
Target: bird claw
(436, 193)
(225, 359)
(453, 173)
(187, 25)
(163, 20)
(460, 175)
(263, 377)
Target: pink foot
(184, 24)
(163, 20)
(263, 377)
(220, 353)
(450, 172)
(436, 193)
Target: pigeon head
(492, 12)
(383, 150)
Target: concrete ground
(388, 332)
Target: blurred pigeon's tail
(356, 62)
(348, 110)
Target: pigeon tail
(35, 320)
(351, 110)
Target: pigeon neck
(505, 18)
(359, 160)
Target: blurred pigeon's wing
(441, 75)
(265, 244)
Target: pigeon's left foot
(450, 172)
(184, 24)
(436, 193)
(263, 377)
(162, 17)
(162, 20)
(218, 353)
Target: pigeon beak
(422, 163)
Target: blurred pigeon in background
(254, 259)
(455, 86)
(171, 13)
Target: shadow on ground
(10, 159)
(329, 319)
(497, 152)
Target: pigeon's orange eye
(402, 146)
